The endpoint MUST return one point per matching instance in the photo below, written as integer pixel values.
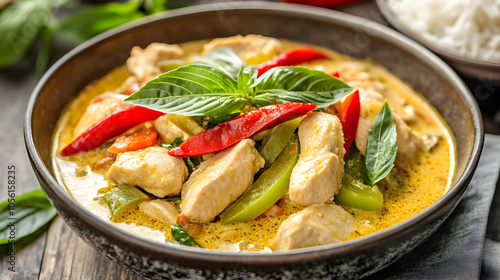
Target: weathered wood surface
(59, 253)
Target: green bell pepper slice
(276, 141)
(358, 195)
(267, 190)
(121, 197)
(354, 192)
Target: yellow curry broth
(429, 177)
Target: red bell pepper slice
(291, 57)
(139, 140)
(231, 132)
(349, 117)
(110, 127)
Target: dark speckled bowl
(351, 35)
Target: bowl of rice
(465, 33)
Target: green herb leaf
(381, 147)
(20, 23)
(180, 235)
(246, 78)
(27, 213)
(177, 142)
(47, 38)
(298, 84)
(193, 90)
(93, 21)
(225, 59)
(155, 6)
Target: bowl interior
(346, 34)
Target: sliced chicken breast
(168, 131)
(409, 143)
(152, 169)
(252, 49)
(144, 64)
(160, 210)
(219, 181)
(317, 176)
(315, 225)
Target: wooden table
(59, 253)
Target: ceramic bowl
(347, 34)
(479, 69)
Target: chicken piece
(98, 110)
(317, 176)
(168, 131)
(152, 169)
(252, 49)
(315, 225)
(160, 210)
(145, 63)
(409, 143)
(219, 181)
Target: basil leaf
(27, 213)
(193, 90)
(246, 78)
(224, 58)
(381, 147)
(298, 84)
(90, 22)
(20, 23)
(180, 235)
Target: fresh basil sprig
(204, 90)
(24, 215)
(381, 147)
(225, 59)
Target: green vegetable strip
(358, 195)
(277, 140)
(381, 147)
(354, 192)
(180, 235)
(267, 190)
(121, 197)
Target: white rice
(469, 28)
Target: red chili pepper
(110, 127)
(323, 3)
(231, 132)
(291, 57)
(349, 117)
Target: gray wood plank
(68, 257)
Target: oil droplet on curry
(169, 192)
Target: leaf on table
(298, 84)
(93, 21)
(20, 23)
(381, 147)
(24, 216)
(193, 90)
(155, 6)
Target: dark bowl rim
(334, 17)
(400, 26)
